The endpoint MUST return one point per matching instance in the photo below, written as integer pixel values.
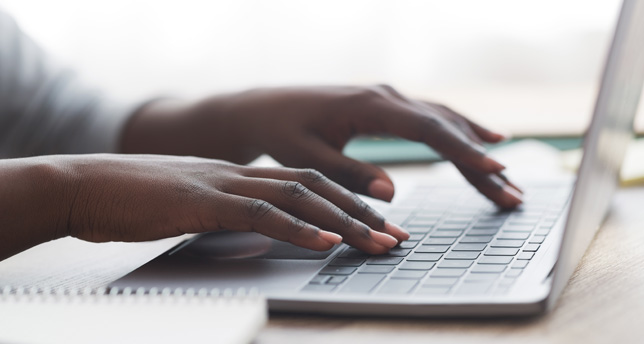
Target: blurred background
(523, 67)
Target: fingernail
(331, 237)
(398, 231)
(513, 193)
(505, 136)
(495, 165)
(508, 182)
(381, 189)
(383, 239)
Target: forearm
(34, 197)
(204, 128)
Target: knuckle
(295, 190)
(295, 225)
(387, 88)
(311, 175)
(258, 209)
(345, 219)
(364, 210)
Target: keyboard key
(346, 262)
(397, 218)
(376, 269)
(336, 279)
(482, 268)
(484, 239)
(469, 247)
(362, 283)
(418, 222)
(525, 255)
(422, 231)
(432, 249)
(337, 270)
(537, 239)
(320, 279)
(513, 236)
(478, 277)
(443, 281)
(531, 248)
(455, 264)
(384, 260)
(518, 228)
(408, 244)
(397, 286)
(520, 264)
(481, 232)
(513, 272)
(416, 265)
(473, 288)
(439, 241)
(542, 231)
(452, 227)
(495, 260)
(446, 234)
(351, 252)
(429, 257)
(398, 252)
(433, 290)
(495, 251)
(319, 287)
(416, 237)
(411, 274)
(448, 272)
(468, 255)
(507, 243)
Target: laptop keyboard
(460, 244)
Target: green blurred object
(389, 150)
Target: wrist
(35, 198)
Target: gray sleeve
(45, 109)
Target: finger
(493, 187)
(481, 132)
(359, 177)
(334, 193)
(297, 200)
(417, 123)
(255, 215)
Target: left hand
(309, 127)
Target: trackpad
(245, 245)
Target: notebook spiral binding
(8, 293)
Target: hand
(138, 198)
(309, 127)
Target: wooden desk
(603, 303)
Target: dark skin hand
(308, 127)
(112, 197)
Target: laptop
(465, 257)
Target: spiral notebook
(130, 316)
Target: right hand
(147, 197)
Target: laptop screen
(606, 140)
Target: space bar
(362, 283)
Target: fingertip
(397, 231)
(381, 189)
(383, 239)
(331, 237)
(513, 197)
(493, 165)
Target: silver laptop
(464, 257)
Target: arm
(307, 127)
(109, 197)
